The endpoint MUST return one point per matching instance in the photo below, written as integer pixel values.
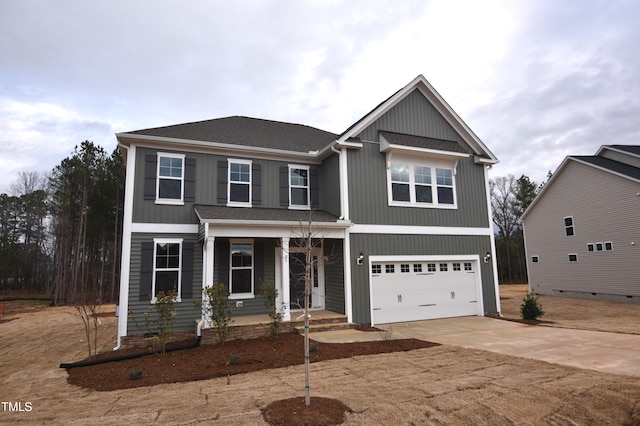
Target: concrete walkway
(615, 353)
(605, 352)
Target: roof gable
(433, 97)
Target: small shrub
(216, 307)
(531, 308)
(270, 294)
(234, 359)
(136, 374)
(159, 320)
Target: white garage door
(412, 290)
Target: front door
(297, 268)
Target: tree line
(60, 233)
(510, 197)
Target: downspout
(125, 257)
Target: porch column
(207, 266)
(286, 313)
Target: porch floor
(264, 319)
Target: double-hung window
(568, 226)
(170, 182)
(239, 183)
(241, 276)
(167, 266)
(421, 184)
(299, 187)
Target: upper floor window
(239, 183)
(241, 277)
(169, 185)
(568, 226)
(421, 183)
(299, 187)
(166, 266)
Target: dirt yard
(439, 385)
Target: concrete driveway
(605, 352)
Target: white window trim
(229, 182)
(573, 254)
(433, 164)
(605, 245)
(572, 226)
(169, 201)
(157, 241)
(300, 206)
(250, 295)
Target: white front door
(297, 273)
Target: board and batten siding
(186, 312)
(334, 275)
(604, 208)
(414, 115)
(415, 245)
(369, 202)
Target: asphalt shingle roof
(614, 166)
(247, 131)
(260, 214)
(633, 149)
(422, 142)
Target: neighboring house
(582, 231)
(399, 202)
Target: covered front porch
(246, 249)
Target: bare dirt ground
(439, 385)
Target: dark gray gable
(247, 131)
(422, 142)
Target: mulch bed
(233, 357)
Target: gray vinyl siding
(621, 157)
(147, 211)
(330, 185)
(334, 275)
(414, 115)
(369, 203)
(604, 208)
(186, 312)
(376, 245)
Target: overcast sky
(535, 79)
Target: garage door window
(404, 267)
(431, 267)
(443, 267)
(417, 267)
(456, 267)
(389, 269)
(376, 269)
(467, 266)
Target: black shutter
(223, 248)
(284, 186)
(256, 184)
(150, 169)
(314, 187)
(258, 266)
(223, 170)
(146, 271)
(187, 270)
(190, 180)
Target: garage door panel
(434, 289)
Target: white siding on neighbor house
(621, 157)
(604, 207)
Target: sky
(536, 80)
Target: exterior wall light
(360, 259)
(487, 257)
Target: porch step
(328, 326)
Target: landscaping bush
(216, 307)
(531, 308)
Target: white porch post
(285, 290)
(207, 261)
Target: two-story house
(398, 205)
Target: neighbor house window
(299, 187)
(535, 259)
(166, 267)
(568, 226)
(590, 247)
(608, 246)
(599, 247)
(239, 183)
(421, 184)
(573, 257)
(170, 186)
(241, 276)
